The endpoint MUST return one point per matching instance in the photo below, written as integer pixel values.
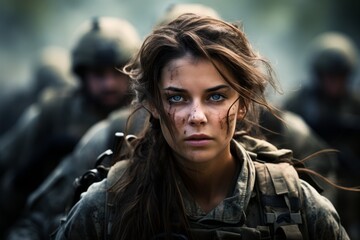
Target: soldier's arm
(323, 222)
(86, 218)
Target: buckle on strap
(278, 217)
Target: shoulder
(57, 95)
(262, 150)
(117, 171)
(252, 144)
(323, 221)
(97, 134)
(128, 119)
(95, 196)
(86, 218)
(60, 102)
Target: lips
(198, 137)
(198, 140)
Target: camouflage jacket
(87, 218)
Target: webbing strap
(288, 232)
(277, 178)
(280, 189)
(275, 217)
(229, 233)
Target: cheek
(93, 86)
(177, 117)
(179, 122)
(227, 118)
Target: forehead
(189, 71)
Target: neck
(209, 183)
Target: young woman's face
(202, 107)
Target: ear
(241, 112)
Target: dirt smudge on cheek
(171, 114)
(177, 122)
(226, 122)
(222, 122)
(183, 121)
(231, 117)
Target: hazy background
(279, 29)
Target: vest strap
(288, 232)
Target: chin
(197, 157)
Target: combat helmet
(333, 53)
(104, 41)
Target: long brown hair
(148, 199)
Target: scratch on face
(226, 121)
(222, 121)
(171, 113)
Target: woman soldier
(189, 175)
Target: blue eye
(175, 99)
(216, 97)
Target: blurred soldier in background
(291, 132)
(51, 71)
(333, 111)
(58, 123)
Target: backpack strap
(280, 189)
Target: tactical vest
(278, 201)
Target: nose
(197, 116)
(109, 80)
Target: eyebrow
(176, 89)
